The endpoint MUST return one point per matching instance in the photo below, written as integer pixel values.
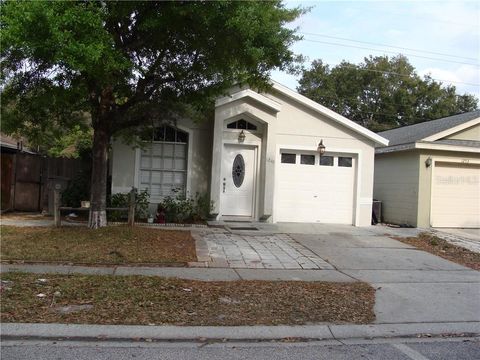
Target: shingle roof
(416, 132)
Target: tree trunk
(98, 199)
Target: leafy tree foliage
(382, 92)
(130, 63)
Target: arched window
(163, 163)
(242, 124)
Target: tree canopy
(382, 93)
(128, 63)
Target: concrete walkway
(249, 250)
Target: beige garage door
(456, 195)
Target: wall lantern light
(241, 136)
(321, 148)
(428, 162)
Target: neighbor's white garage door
(456, 195)
(310, 190)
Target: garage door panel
(314, 193)
(456, 195)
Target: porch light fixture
(241, 136)
(428, 162)
(321, 148)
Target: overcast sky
(439, 37)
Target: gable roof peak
(431, 130)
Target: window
(238, 170)
(326, 160)
(163, 163)
(344, 161)
(307, 159)
(167, 133)
(288, 158)
(242, 124)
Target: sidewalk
(202, 274)
(236, 333)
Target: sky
(440, 38)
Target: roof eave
(421, 145)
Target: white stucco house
(258, 160)
(429, 174)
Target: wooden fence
(28, 179)
(57, 216)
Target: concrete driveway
(412, 286)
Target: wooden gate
(28, 182)
(27, 178)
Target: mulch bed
(444, 249)
(106, 246)
(146, 300)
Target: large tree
(381, 92)
(127, 63)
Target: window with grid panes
(163, 163)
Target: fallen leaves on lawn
(444, 249)
(155, 300)
(109, 245)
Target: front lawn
(444, 249)
(108, 246)
(143, 300)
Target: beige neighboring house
(429, 174)
(258, 161)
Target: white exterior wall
(289, 124)
(396, 186)
(125, 160)
(298, 126)
(123, 167)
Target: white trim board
(452, 130)
(252, 94)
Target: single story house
(259, 160)
(429, 174)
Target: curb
(236, 333)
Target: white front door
(238, 181)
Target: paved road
(415, 349)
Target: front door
(238, 181)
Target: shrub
(77, 190)
(123, 200)
(180, 208)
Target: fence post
(56, 205)
(131, 207)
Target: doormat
(243, 228)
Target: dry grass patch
(108, 246)
(155, 300)
(444, 249)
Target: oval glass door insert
(238, 170)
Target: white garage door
(456, 195)
(314, 189)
